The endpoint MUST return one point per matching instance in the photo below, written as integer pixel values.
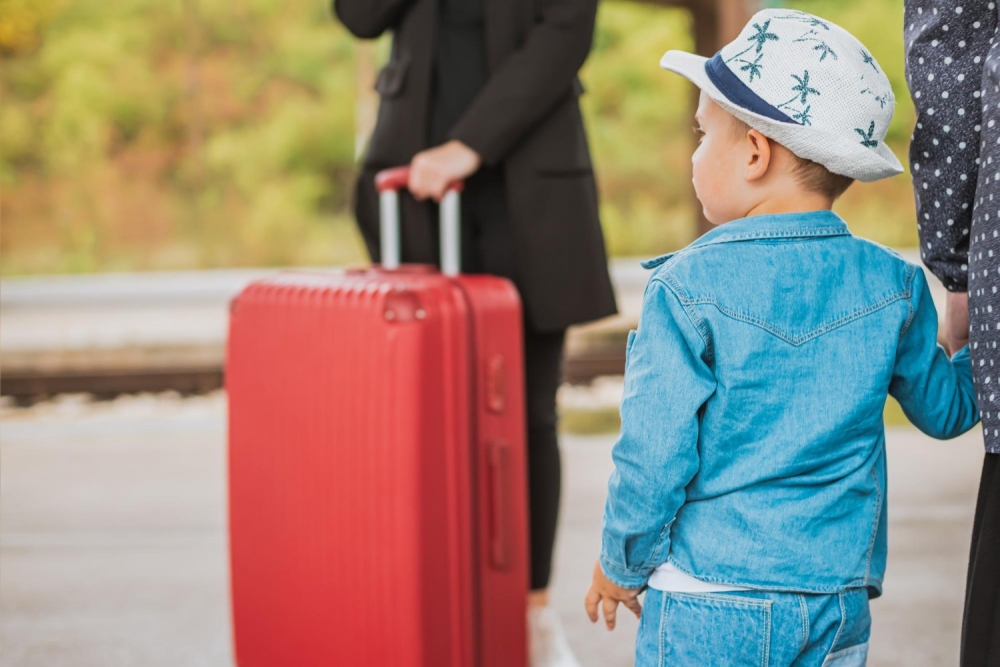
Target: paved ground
(113, 548)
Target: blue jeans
(753, 629)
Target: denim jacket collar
(757, 227)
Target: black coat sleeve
(946, 45)
(531, 81)
(368, 19)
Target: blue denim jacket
(752, 448)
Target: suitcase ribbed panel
(350, 490)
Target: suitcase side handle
(499, 464)
(389, 182)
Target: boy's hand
(601, 588)
(956, 321)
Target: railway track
(128, 333)
(27, 387)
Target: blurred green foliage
(138, 134)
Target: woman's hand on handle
(433, 170)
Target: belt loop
(806, 625)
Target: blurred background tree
(139, 135)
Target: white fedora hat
(806, 83)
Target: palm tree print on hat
(803, 116)
(752, 67)
(812, 21)
(869, 60)
(759, 39)
(866, 137)
(881, 99)
(821, 46)
(802, 91)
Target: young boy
(750, 475)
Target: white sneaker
(547, 641)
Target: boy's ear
(759, 156)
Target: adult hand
(956, 321)
(433, 170)
(603, 589)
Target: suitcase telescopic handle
(388, 183)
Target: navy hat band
(739, 93)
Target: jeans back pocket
(714, 629)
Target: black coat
(526, 118)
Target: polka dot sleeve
(946, 47)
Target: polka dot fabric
(953, 71)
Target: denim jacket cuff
(624, 577)
(962, 354)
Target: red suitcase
(377, 470)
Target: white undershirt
(669, 579)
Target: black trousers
(488, 247)
(981, 624)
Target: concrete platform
(113, 543)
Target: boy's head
(735, 168)
(795, 108)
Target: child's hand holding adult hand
(602, 589)
(956, 321)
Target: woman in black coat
(952, 61)
(486, 91)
